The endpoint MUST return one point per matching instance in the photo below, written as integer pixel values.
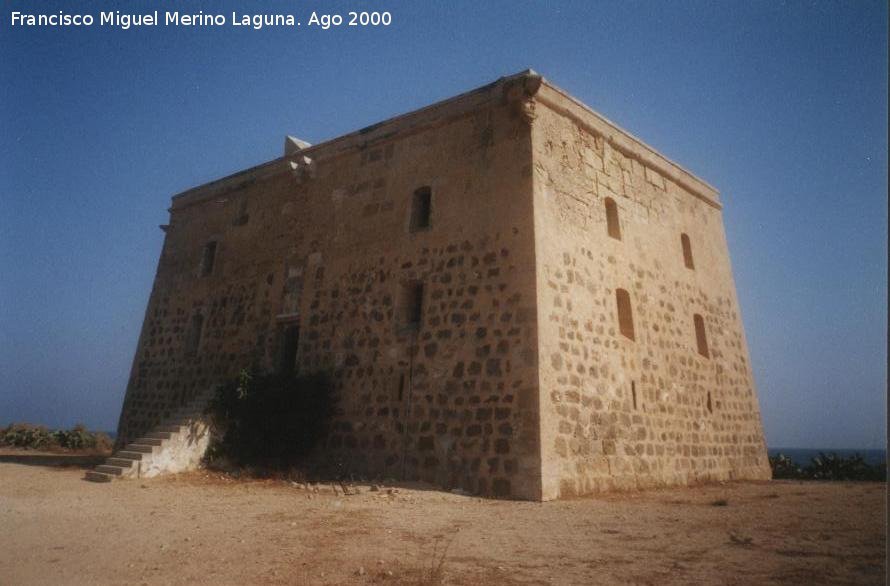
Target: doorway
(288, 346)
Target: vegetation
(23, 435)
(270, 419)
(828, 467)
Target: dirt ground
(203, 528)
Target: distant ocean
(803, 456)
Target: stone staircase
(176, 445)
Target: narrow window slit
(625, 314)
(193, 342)
(412, 305)
(421, 208)
(701, 338)
(612, 225)
(243, 217)
(687, 252)
(208, 258)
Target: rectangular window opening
(421, 209)
(242, 217)
(701, 337)
(687, 252)
(412, 305)
(193, 342)
(208, 258)
(289, 344)
(613, 227)
(625, 314)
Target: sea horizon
(802, 456)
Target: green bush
(834, 467)
(785, 467)
(270, 419)
(23, 435)
(828, 467)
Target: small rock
(360, 571)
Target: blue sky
(781, 105)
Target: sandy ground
(202, 528)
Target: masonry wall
(452, 402)
(692, 418)
(518, 380)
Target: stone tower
(515, 297)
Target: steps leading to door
(176, 445)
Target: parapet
(525, 88)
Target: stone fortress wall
(329, 247)
(451, 267)
(632, 400)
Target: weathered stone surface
(659, 411)
(292, 144)
(515, 377)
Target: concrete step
(94, 476)
(172, 428)
(188, 415)
(120, 462)
(161, 435)
(124, 454)
(149, 441)
(114, 470)
(142, 448)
